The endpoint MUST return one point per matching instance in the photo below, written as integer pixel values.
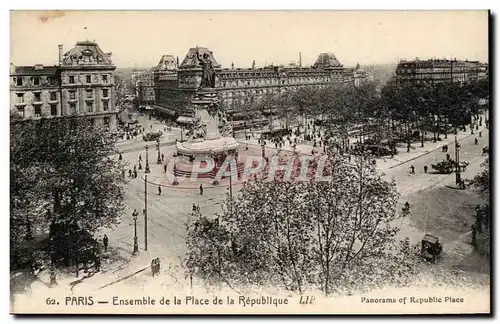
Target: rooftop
(191, 59)
(167, 62)
(86, 53)
(34, 70)
(326, 60)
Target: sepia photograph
(250, 162)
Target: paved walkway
(129, 267)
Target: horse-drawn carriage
(152, 136)
(431, 248)
(448, 166)
(444, 167)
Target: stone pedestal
(206, 105)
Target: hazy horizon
(138, 39)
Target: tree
(75, 184)
(482, 225)
(305, 100)
(329, 235)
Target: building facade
(82, 85)
(35, 91)
(239, 88)
(439, 71)
(144, 85)
(167, 97)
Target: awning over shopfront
(164, 110)
(185, 120)
(241, 115)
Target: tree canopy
(64, 180)
(330, 235)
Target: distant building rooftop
(34, 70)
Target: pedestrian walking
(194, 207)
(412, 168)
(480, 134)
(201, 189)
(97, 263)
(476, 141)
(140, 166)
(162, 157)
(105, 242)
(406, 208)
(165, 168)
(159, 190)
(140, 158)
(120, 157)
(135, 174)
(129, 173)
(53, 278)
(425, 168)
(474, 236)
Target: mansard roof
(86, 53)
(167, 62)
(326, 60)
(191, 60)
(34, 70)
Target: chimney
(300, 59)
(60, 54)
(177, 61)
(12, 68)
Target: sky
(139, 38)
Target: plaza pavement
(169, 213)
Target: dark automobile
(431, 248)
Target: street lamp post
(147, 170)
(158, 160)
(145, 212)
(458, 179)
(263, 146)
(136, 246)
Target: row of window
(263, 82)
(434, 76)
(37, 80)
(72, 108)
(37, 97)
(230, 98)
(88, 79)
(89, 105)
(38, 110)
(53, 95)
(53, 112)
(89, 93)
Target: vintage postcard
(249, 162)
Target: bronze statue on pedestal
(208, 76)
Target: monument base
(207, 147)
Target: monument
(205, 139)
